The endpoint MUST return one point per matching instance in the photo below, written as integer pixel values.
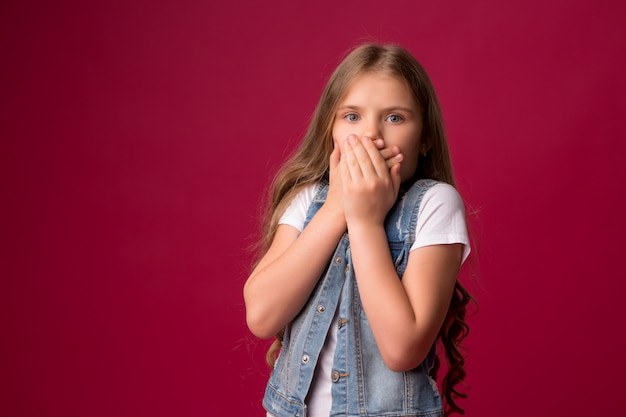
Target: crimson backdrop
(136, 141)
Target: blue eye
(351, 117)
(395, 118)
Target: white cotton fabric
(441, 220)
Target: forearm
(279, 287)
(392, 318)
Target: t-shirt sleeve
(441, 219)
(295, 213)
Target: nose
(371, 130)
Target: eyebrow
(388, 109)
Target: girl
(361, 250)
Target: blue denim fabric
(362, 383)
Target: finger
(335, 171)
(334, 157)
(391, 162)
(389, 152)
(336, 147)
(391, 156)
(376, 164)
(396, 179)
(344, 170)
(364, 149)
(349, 159)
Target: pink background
(137, 138)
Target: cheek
(408, 168)
(337, 131)
(342, 129)
(411, 158)
(338, 137)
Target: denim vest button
(334, 376)
(305, 358)
(321, 309)
(338, 260)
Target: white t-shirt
(441, 220)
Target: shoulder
(295, 213)
(442, 197)
(441, 218)
(304, 197)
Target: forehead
(374, 88)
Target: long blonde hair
(310, 164)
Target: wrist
(358, 228)
(333, 214)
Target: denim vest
(362, 385)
